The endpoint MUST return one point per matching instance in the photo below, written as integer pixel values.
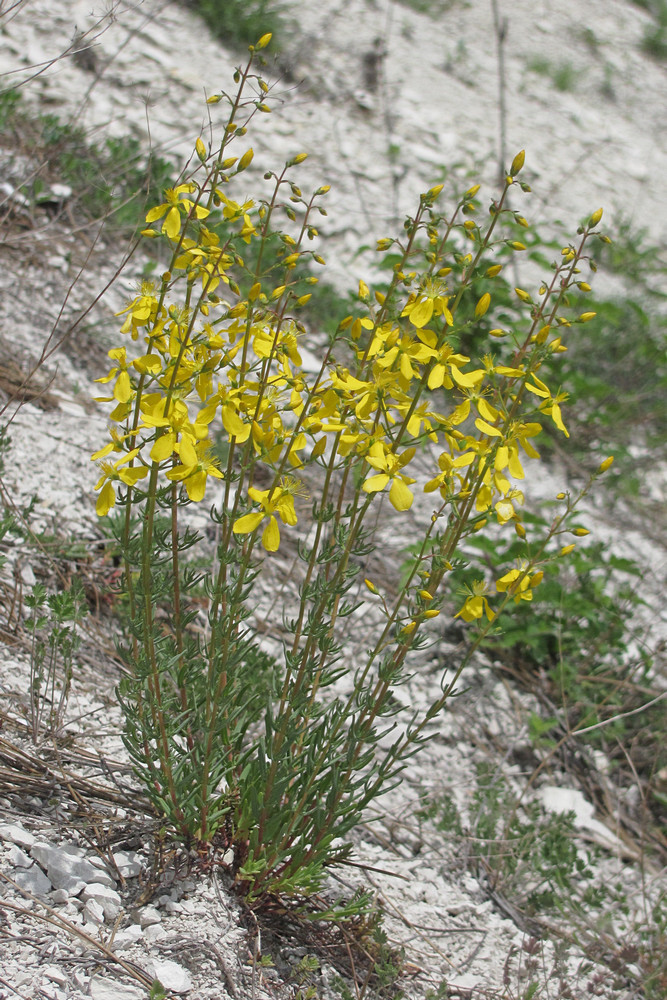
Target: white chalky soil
(379, 122)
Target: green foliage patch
(115, 180)
(238, 23)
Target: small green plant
(583, 637)
(53, 623)
(281, 779)
(528, 858)
(239, 22)
(434, 7)
(654, 41)
(302, 975)
(563, 75)
(9, 102)
(115, 180)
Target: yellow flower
(476, 603)
(517, 583)
(122, 391)
(141, 309)
(430, 300)
(390, 466)
(173, 206)
(278, 501)
(550, 406)
(195, 474)
(505, 510)
(113, 472)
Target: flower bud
(517, 163)
(607, 464)
(245, 160)
(482, 305)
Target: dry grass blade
(52, 917)
(24, 772)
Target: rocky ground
(384, 99)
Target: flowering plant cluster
(259, 758)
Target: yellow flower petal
(123, 388)
(172, 224)
(247, 524)
(186, 451)
(375, 483)
(156, 213)
(421, 313)
(271, 535)
(400, 496)
(163, 447)
(132, 475)
(105, 500)
(195, 485)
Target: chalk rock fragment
(174, 977)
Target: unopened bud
(517, 163)
(245, 160)
(482, 305)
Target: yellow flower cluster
(222, 366)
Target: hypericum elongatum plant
(238, 751)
